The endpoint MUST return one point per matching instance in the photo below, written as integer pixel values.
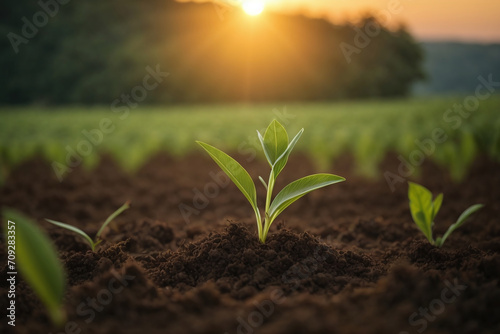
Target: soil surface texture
(185, 258)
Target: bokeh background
(366, 77)
(90, 53)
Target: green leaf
(467, 213)
(299, 188)
(74, 229)
(236, 173)
(275, 141)
(111, 217)
(460, 221)
(283, 159)
(263, 182)
(261, 139)
(38, 263)
(421, 208)
(436, 205)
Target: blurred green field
(367, 130)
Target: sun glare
(253, 7)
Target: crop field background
(368, 130)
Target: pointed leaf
(261, 139)
(461, 220)
(38, 262)
(111, 217)
(236, 173)
(74, 229)
(467, 213)
(275, 141)
(436, 206)
(283, 159)
(421, 208)
(299, 188)
(263, 182)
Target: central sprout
(277, 149)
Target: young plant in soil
(424, 210)
(277, 149)
(31, 251)
(93, 243)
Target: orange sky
(462, 20)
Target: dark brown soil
(345, 259)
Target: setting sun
(253, 7)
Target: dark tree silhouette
(95, 51)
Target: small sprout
(37, 261)
(277, 149)
(424, 210)
(93, 243)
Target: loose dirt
(186, 259)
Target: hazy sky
(463, 20)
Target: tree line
(93, 52)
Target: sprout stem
(267, 220)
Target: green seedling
(93, 243)
(424, 210)
(277, 149)
(31, 252)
